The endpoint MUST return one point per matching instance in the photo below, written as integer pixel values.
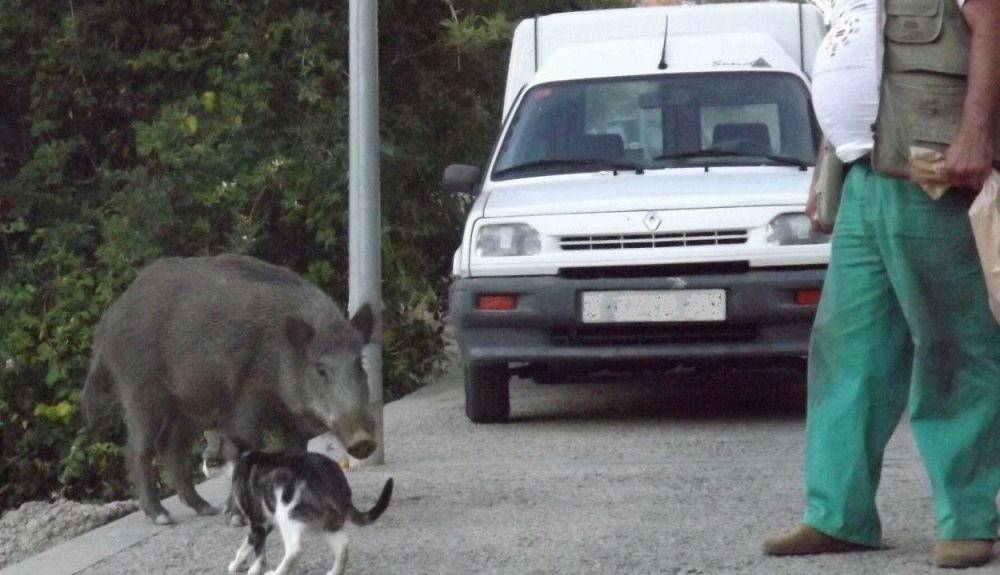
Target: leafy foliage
(138, 129)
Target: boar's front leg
(178, 438)
(296, 440)
(246, 422)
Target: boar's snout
(362, 447)
(356, 432)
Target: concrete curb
(85, 550)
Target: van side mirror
(460, 178)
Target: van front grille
(658, 271)
(657, 240)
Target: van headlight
(793, 230)
(497, 240)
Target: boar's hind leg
(139, 457)
(177, 444)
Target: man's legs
(955, 397)
(929, 260)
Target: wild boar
(230, 343)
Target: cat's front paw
(237, 565)
(256, 568)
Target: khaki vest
(923, 81)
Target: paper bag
(985, 217)
(927, 171)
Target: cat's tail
(368, 517)
(98, 400)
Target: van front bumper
(763, 322)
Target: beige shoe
(806, 540)
(961, 553)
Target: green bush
(139, 129)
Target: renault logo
(652, 221)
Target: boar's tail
(369, 517)
(98, 400)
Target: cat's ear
(213, 437)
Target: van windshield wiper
(558, 162)
(774, 158)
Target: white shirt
(846, 76)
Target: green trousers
(903, 320)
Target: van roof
(691, 53)
(594, 43)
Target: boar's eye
(321, 370)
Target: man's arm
(969, 158)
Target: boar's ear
(364, 322)
(298, 331)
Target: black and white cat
(298, 493)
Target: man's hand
(969, 159)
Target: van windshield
(665, 121)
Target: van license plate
(649, 306)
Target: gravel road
(677, 474)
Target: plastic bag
(985, 217)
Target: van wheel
(487, 392)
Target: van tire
(487, 392)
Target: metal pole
(365, 281)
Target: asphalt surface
(671, 474)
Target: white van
(644, 204)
